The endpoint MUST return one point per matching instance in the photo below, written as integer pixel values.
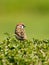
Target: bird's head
(21, 25)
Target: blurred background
(33, 13)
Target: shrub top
(14, 52)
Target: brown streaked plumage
(20, 32)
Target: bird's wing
(20, 32)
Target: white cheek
(22, 26)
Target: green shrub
(14, 52)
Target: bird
(20, 33)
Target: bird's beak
(24, 26)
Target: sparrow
(20, 33)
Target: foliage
(14, 52)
